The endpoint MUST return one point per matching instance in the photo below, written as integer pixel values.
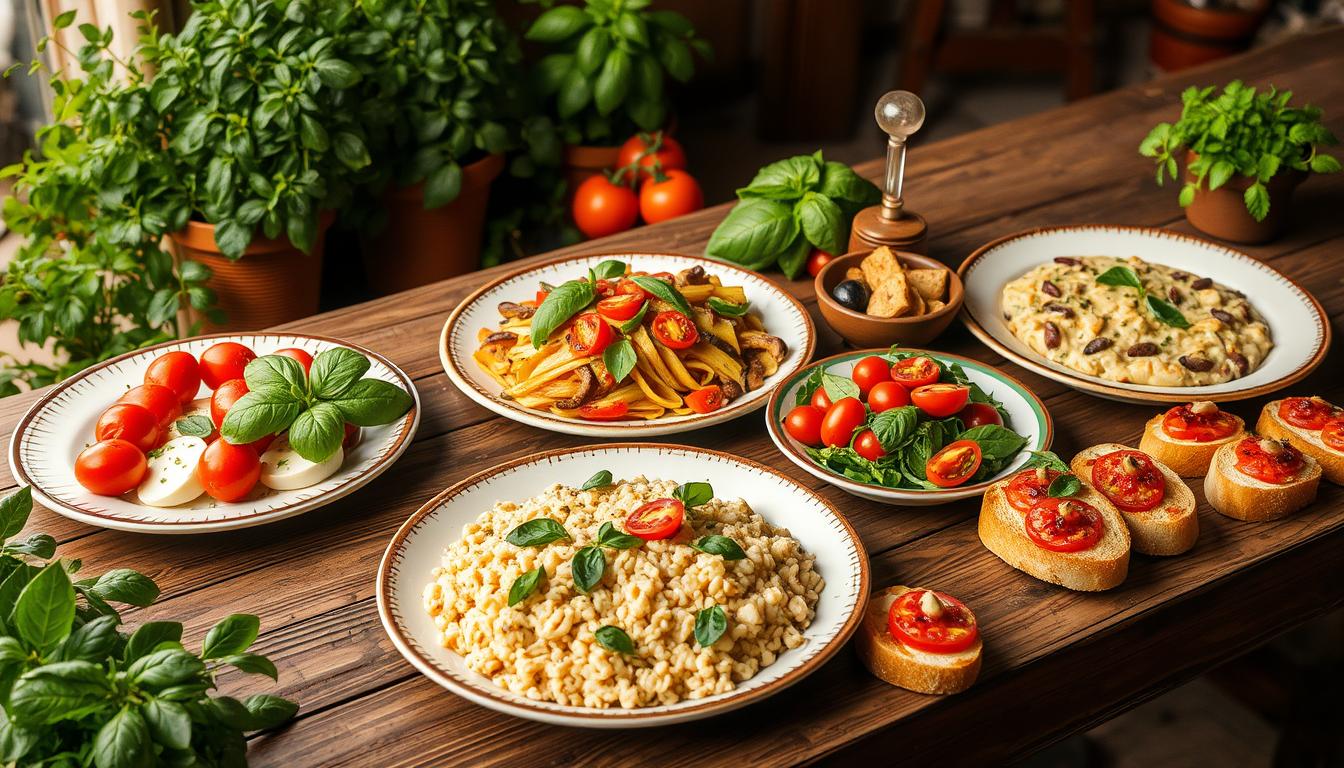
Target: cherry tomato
(956, 463)
(222, 400)
(868, 446)
(1030, 486)
(589, 335)
(669, 154)
(886, 395)
(224, 361)
(659, 519)
(940, 400)
(110, 467)
(1064, 525)
(915, 372)
(1183, 423)
(1275, 467)
(540, 297)
(952, 631)
(601, 208)
(351, 437)
(821, 400)
(1130, 480)
(677, 196)
(620, 307)
(706, 400)
(1307, 412)
(803, 423)
(604, 288)
(674, 330)
(228, 472)
(157, 399)
(130, 422)
(612, 412)
(1332, 434)
(842, 418)
(298, 355)
(979, 414)
(177, 371)
(818, 259)
(628, 286)
(869, 372)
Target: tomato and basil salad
(903, 420)
(282, 420)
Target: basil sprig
(588, 565)
(601, 479)
(313, 407)
(693, 494)
(615, 639)
(1067, 484)
(1122, 276)
(710, 624)
(719, 545)
(525, 585)
(608, 536)
(666, 292)
(195, 426)
(620, 359)
(630, 325)
(562, 303)
(536, 533)
(839, 387)
(609, 269)
(727, 308)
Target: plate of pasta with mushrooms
(630, 344)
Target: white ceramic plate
(1026, 415)
(57, 427)
(418, 548)
(782, 315)
(1298, 325)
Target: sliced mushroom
(516, 311)
(498, 344)
(587, 382)
(692, 276)
(731, 390)
(765, 342)
(755, 369)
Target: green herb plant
(75, 690)
(1240, 132)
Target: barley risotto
(706, 595)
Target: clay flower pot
(1184, 36)
(584, 162)
(1222, 212)
(419, 246)
(272, 283)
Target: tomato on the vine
(602, 208)
(650, 150)
(676, 195)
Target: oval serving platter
(782, 315)
(1026, 415)
(418, 546)
(1297, 323)
(57, 427)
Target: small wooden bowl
(864, 330)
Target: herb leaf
(318, 432)
(599, 480)
(588, 566)
(536, 533)
(560, 305)
(608, 536)
(275, 375)
(231, 635)
(838, 387)
(661, 290)
(996, 443)
(754, 233)
(1047, 459)
(719, 545)
(1166, 312)
(14, 511)
(1120, 276)
(334, 370)
(606, 270)
(634, 322)
(45, 609)
(727, 308)
(614, 639)
(620, 359)
(693, 494)
(1066, 484)
(710, 624)
(894, 426)
(195, 426)
(257, 415)
(370, 402)
(525, 585)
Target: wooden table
(1056, 661)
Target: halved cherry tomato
(915, 372)
(628, 286)
(177, 371)
(869, 372)
(940, 400)
(676, 195)
(706, 400)
(110, 467)
(223, 362)
(659, 519)
(886, 395)
(589, 335)
(222, 400)
(1276, 467)
(1029, 486)
(953, 631)
(804, 424)
(601, 208)
(821, 400)
(604, 288)
(818, 259)
(620, 307)
(674, 330)
(1064, 525)
(1307, 412)
(298, 355)
(1130, 480)
(157, 399)
(1332, 434)
(640, 147)
(541, 297)
(130, 422)
(979, 414)
(842, 418)
(612, 412)
(1183, 423)
(228, 472)
(956, 463)
(868, 446)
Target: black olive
(851, 294)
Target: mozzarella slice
(171, 477)
(283, 469)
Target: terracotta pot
(1184, 36)
(585, 162)
(1222, 212)
(419, 246)
(272, 283)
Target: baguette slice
(1171, 527)
(1187, 458)
(1240, 496)
(1307, 441)
(1003, 531)
(907, 667)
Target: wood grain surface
(1056, 661)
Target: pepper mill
(899, 114)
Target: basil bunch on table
(314, 407)
(76, 690)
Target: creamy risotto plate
(1225, 301)
(809, 540)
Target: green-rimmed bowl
(1026, 416)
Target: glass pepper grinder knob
(899, 114)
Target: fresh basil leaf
(257, 415)
(536, 533)
(1120, 276)
(588, 566)
(525, 585)
(63, 690)
(619, 357)
(728, 308)
(608, 536)
(232, 634)
(693, 494)
(267, 710)
(45, 609)
(369, 403)
(840, 182)
(16, 740)
(615, 639)
(318, 432)
(38, 545)
(1047, 459)
(251, 663)
(1066, 484)
(12, 651)
(230, 711)
(150, 636)
(1166, 312)
(335, 369)
(124, 585)
(661, 290)
(996, 442)
(785, 179)
(599, 480)
(91, 641)
(634, 322)
(710, 624)
(164, 667)
(793, 259)
(839, 387)
(277, 376)
(719, 545)
(169, 724)
(822, 222)
(562, 303)
(606, 270)
(195, 426)
(894, 426)
(14, 511)
(809, 386)
(123, 741)
(754, 234)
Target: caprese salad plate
(215, 433)
(908, 427)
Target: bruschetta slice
(1154, 501)
(1260, 479)
(920, 640)
(1186, 437)
(1313, 426)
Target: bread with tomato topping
(1171, 527)
(906, 667)
(1187, 458)
(1238, 495)
(1308, 441)
(1003, 531)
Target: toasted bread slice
(854, 273)
(1003, 531)
(1308, 441)
(1240, 496)
(890, 298)
(907, 667)
(930, 283)
(1187, 458)
(1171, 527)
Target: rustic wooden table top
(311, 579)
